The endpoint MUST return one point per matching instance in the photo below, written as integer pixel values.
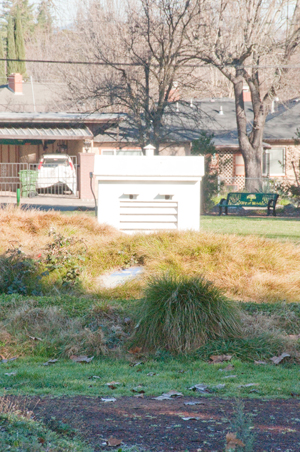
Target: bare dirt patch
(158, 425)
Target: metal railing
(56, 180)
(9, 177)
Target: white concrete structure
(149, 193)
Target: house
(184, 121)
(32, 123)
(30, 127)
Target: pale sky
(65, 10)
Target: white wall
(133, 192)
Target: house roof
(183, 122)
(283, 124)
(45, 133)
(45, 96)
(60, 117)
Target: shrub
(64, 259)
(180, 314)
(241, 424)
(59, 265)
(19, 273)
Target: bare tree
(151, 39)
(250, 42)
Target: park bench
(267, 200)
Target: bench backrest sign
(250, 199)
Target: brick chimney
(174, 94)
(15, 83)
(246, 94)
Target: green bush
(63, 258)
(19, 273)
(60, 264)
(210, 185)
(180, 314)
(241, 425)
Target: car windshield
(53, 161)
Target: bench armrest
(222, 202)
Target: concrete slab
(111, 280)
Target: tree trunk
(250, 145)
(253, 170)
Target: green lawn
(68, 378)
(271, 227)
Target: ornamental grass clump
(181, 313)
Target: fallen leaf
(9, 359)
(41, 440)
(114, 442)
(35, 338)
(190, 418)
(139, 370)
(199, 388)
(277, 359)
(151, 374)
(169, 395)
(135, 350)
(227, 368)
(11, 374)
(248, 385)
(232, 441)
(294, 336)
(106, 400)
(230, 376)
(136, 364)
(182, 371)
(113, 384)
(220, 358)
(51, 361)
(138, 389)
(260, 362)
(81, 359)
(194, 403)
(139, 396)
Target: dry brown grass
(272, 327)
(246, 268)
(31, 228)
(55, 333)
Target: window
(129, 152)
(274, 162)
(121, 152)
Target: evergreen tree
(45, 17)
(2, 64)
(27, 13)
(20, 46)
(11, 48)
(6, 7)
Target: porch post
(86, 165)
